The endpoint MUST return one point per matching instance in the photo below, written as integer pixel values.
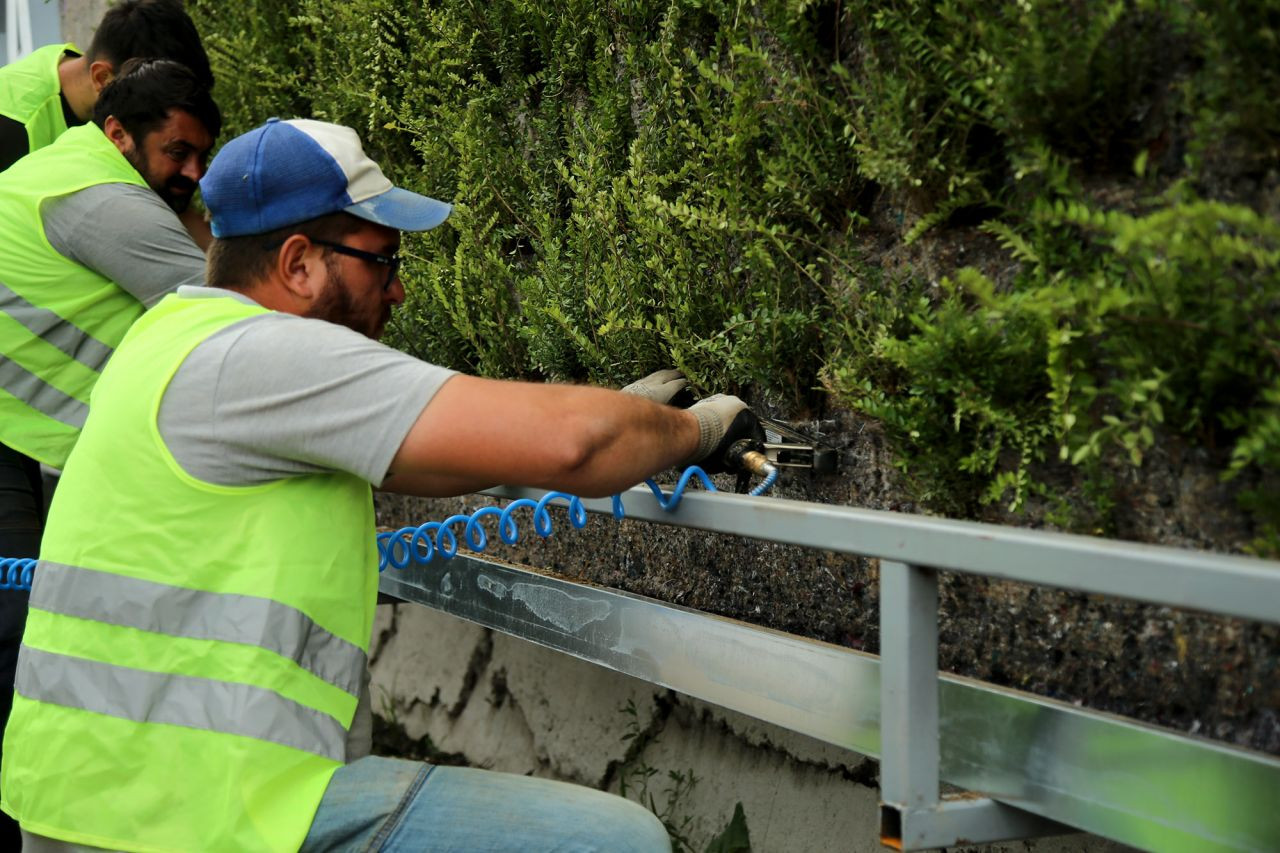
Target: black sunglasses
(391, 262)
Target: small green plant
(1232, 96)
(640, 781)
(735, 838)
(390, 738)
(1162, 321)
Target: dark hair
(145, 90)
(150, 28)
(240, 262)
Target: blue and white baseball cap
(286, 172)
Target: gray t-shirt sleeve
(277, 396)
(127, 234)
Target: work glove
(660, 386)
(723, 420)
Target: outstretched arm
(588, 441)
(128, 235)
(197, 226)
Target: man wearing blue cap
(193, 661)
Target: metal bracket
(959, 820)
(787, 448)
(913, 814)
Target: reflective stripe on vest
(40, 395)
(199, 615)
(179, 700)
(73, 341)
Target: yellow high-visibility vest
(59, 320)
(193, 655)
(31, 94)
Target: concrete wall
(80, 18)
(509, 705)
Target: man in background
(55, 87)
(43, 94)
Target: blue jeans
(377, 804)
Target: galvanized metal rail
(1037, 766)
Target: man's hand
(197, 225)
(722, 421)
(660, 386)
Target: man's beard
(336, 306)
(177, 191)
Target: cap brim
(402, 210)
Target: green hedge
(720, 186)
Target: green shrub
(1233, 93)
(714, 185)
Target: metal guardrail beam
(1038, 764)
(1114, 777)
(1230, 585)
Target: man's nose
(395, 292)
(193, 168)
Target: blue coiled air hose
(15, 572)
(399, 548)
(419, 544)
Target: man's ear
(101, 73)
(300, 269)
(115, 131)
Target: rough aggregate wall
(504, 704)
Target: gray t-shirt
(277, 395)
(127, 234)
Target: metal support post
(913, 814)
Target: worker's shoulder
(273, 326)
(28, 83)
(279, 341)
(37, 69)
(126, 200)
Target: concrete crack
(865, 772)
(481, 655)
(385, 635)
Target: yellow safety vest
(59, 321)
(31, 94)
(193, 654)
